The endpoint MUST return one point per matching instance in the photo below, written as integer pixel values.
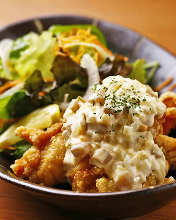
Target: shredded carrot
(41, 93)
(126, 59)
(8, 147)
(8, 85)
(172, 87)
(3, 121)
(164, 84)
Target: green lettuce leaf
(139, 71)
(143, 71)
(5, 48)
(34, 83)
(19, 45)
(151, 68)
(58, 94)
(21, 148)
(15, 105)
(33, 52)
(116, 67)
(66, 70)
(2, 71)
(69, 78)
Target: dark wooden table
(155, 19)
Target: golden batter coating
(170, 120)
(169, 147)
(169, 99)
(83, 176)
(43, 166)
(104, 184)
(167, 143)
(38, 137)
(27, 164)
(87, 178)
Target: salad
(74, 113)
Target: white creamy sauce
(116, 129)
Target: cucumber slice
(41, 118)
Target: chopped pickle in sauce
(116, 130)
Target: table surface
(155, 19)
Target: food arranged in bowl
(74, 112)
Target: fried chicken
(38, 137)
(83, 176)
(44, 164)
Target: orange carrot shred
(8, 85)
(41, 93)
(164, 84)
(172, 87)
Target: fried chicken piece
(83, 177)
(168, 144)
(87, 178)
(150, 181)
(158, 126)
(25, 166)
(38, 137)
(169, 180)
(169, 99)
(170, 120)
(43, 166)
(169, 125)
(106, 185)
(84, 181)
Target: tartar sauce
(116, 129)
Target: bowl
(109, 205)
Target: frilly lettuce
(65, 69)
(15, 102)
(139, 70)
(5, 48)
(2, 71)
(20, 148)
(34, 92)
(33, 52)
(116, 67)
(143, 71)
(15, 105)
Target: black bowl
(117, 204)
